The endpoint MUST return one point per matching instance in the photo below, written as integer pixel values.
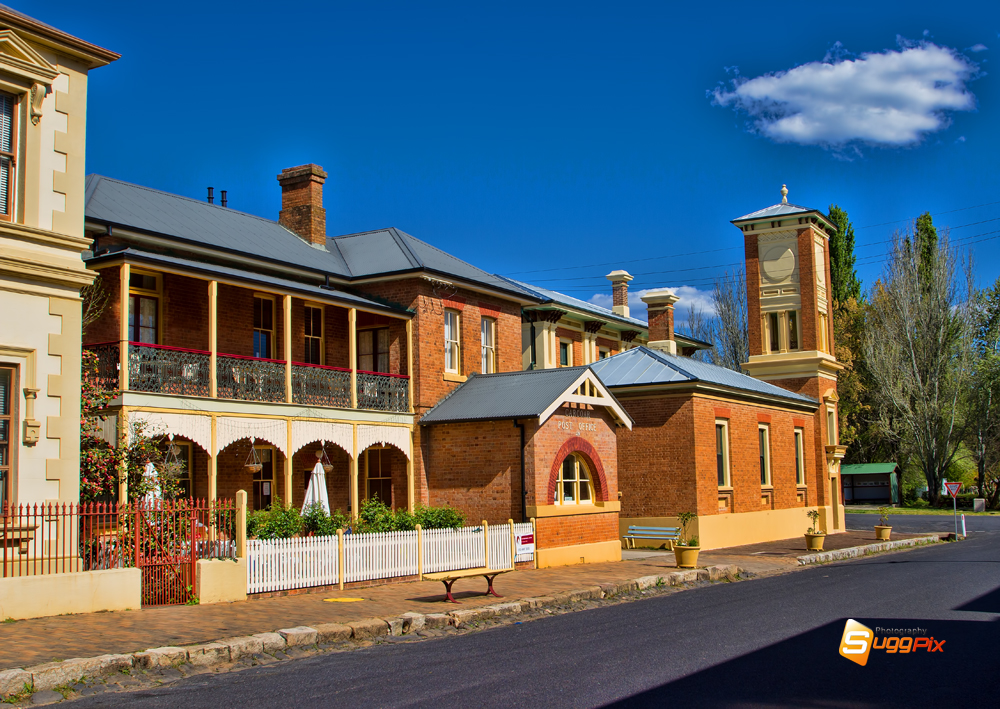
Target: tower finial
(784, 194)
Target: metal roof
(309, 290)
(643, 366)
(348, 257)
(510, 395)
(551, 296)
(782, 209)
(868, 468)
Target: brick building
(747, 454)
(535, 444)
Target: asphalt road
(765, 642)
(927, 523)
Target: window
(831, 426)
(823, 346)
(775, 332)
(574, 487)
(793, 329)
(452, 342)
(489, 343)
(379, 475)
(8, 386)
(263, 482)
(800, 461)
(263, 326)
(722, 452)
(603, 353)
(8, 156)
(314, 335)
(182, 451)
(373, 350)
(565, 353)
(144, 308)
(764, 449)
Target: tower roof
(782, 209)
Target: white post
(954, 500)
(963, 524)
(486, 543)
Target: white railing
(282, 564)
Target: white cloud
(891, 98)
(689, 295)
(961, 139)
(978, 48)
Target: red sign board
(953, 488)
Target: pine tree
(844, 278)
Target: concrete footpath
(360, 613)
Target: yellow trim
(123, 304)
(355, 502)
(287, 332)
(213, 338)
(409, 362)
(179, 410)
(322, 327)
(593, 553)
(352, 354)
(213, 474)
(288, 468)
(457, 371)
(726, 456)
(571, 510)
(452, 377)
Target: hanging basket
(254, 467)
(324, 459)
(253, 462)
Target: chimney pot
(224, 200)
(660, 308)
(619, 291)
(302, 202)
(211, 195)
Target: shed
(871, 483)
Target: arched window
(574, 485)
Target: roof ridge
(677, 368)
(228, 210)
(414, 261)
(441, 251)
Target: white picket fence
(282, 564)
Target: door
(263, 482)
(379, 476)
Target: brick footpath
(29, 642)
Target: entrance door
(835, 501)
(263, 482)
(379, 475)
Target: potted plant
(883, 528)
(686, 549)
(814, 537)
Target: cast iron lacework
(250, 379)
(383, 393)
(321, 386)
(107, 364)
(167, 370)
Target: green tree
(983, 400)
(844, 283)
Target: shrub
(920, 503)
(277, 522)
(316, 520)
(375, 516)
(439, 518)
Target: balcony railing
(168, 370)
(250, 378)
(383, 392)
(108, 363)
(182, 372)
(314, 385)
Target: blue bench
(669, 534)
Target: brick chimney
(619, 289)
(660, 307)
(302, 202)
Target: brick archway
(583, 448)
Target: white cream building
(43, 121)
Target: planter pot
(882, 533)
(814, 542)
(687, 557)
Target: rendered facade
(43, 118)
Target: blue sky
(581, 137)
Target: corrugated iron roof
(351, 256)
(868, 468)
(782, 209)
(510, 395)
(643, 366)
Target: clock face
(778, 263)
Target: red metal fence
(163, 538)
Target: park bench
(448, 578)
(670, 534)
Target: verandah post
(534, 535)
(486, 543)
(340, 557)
(241, 523)
(420, 552)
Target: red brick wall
(668, 460)
(576, 529)
(107, 327)
(753, 293)
(185, 312)
(807, 289)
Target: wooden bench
(450, 577)
(670, 534)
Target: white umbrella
(154, 493)
(316, 492)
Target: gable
(18, 58)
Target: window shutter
(6, 146)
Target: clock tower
(791, 327)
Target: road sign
(953, 488)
